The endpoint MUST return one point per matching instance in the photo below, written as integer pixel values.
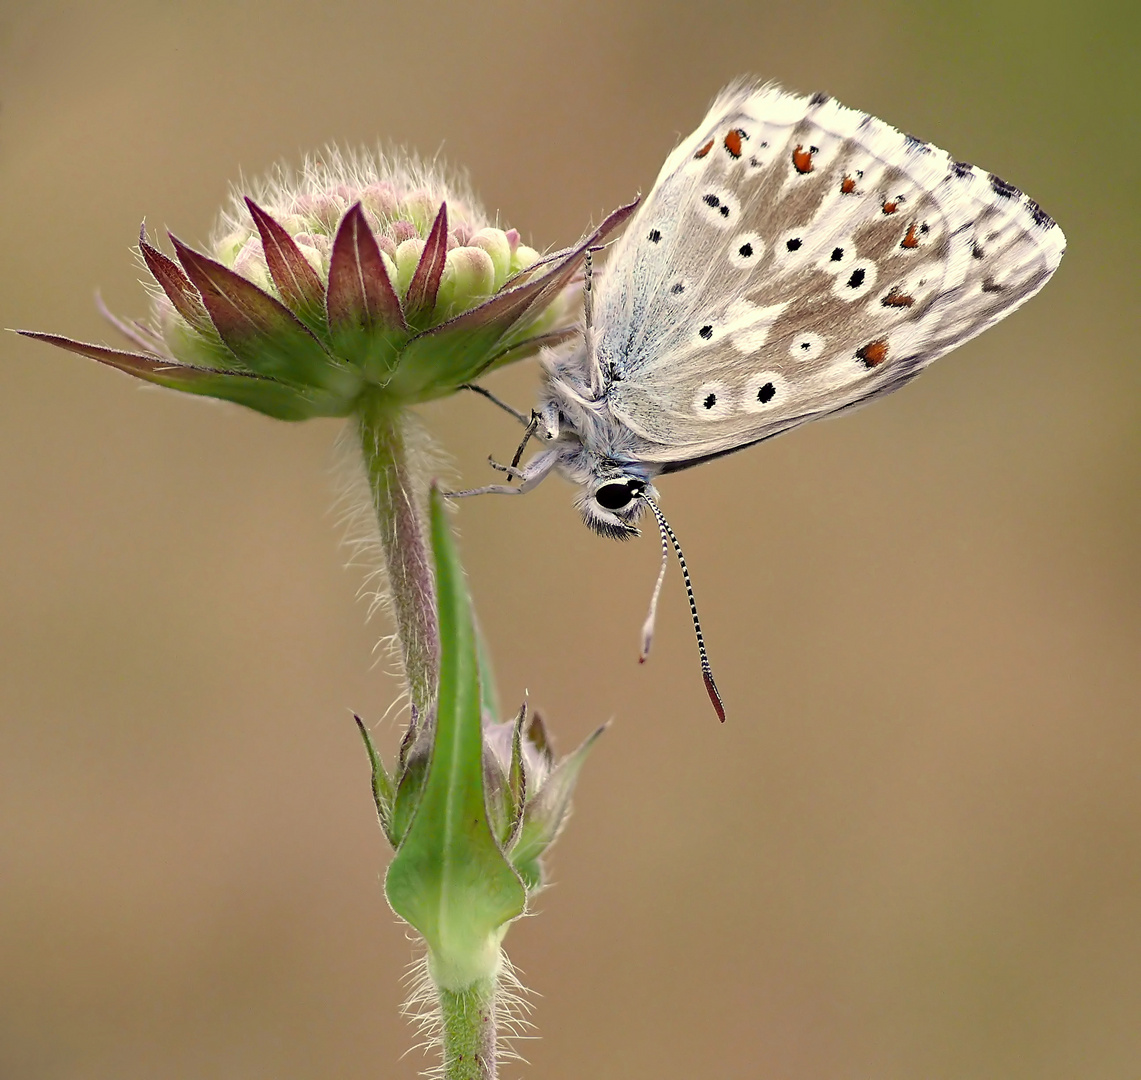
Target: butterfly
(793, 259)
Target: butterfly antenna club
(648, 626)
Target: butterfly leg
(524, 420)
(532, 426)
(549, 419)
(531, 475)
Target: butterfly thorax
(592, 447)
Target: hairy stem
(396, 498)
(469, 1031)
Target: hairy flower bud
(356, 276)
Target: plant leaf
(182, 295)
(449, 878)
(364, 313)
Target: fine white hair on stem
(422, 1008)
(355, 516)
(513, 1009)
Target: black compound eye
(617, 495)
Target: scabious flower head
(356, 275)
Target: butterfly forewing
(794, 258)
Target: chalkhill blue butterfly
(794, 258)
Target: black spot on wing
(714, 203)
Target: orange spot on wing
(733, 142)
(891, 206)
(848, 186)
(897, 298)
(802, 159)
(911, 240)
(873, 353)
(705, 149)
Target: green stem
(396, 498)
(469, 1031)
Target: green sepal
(516, 780)
(545, 813)
(383, 791)
(375, 353)
(449, 878)
(409, 789)
(264, 395)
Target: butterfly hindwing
(796, 257)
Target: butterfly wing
(795, 258)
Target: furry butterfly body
(793, 259)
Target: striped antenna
(648, 626)
(651, 618)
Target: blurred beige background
(913, 851)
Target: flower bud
(356, 276)
(472, 805)
(497, 246)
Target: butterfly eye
(617, 495)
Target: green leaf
(449, 878)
